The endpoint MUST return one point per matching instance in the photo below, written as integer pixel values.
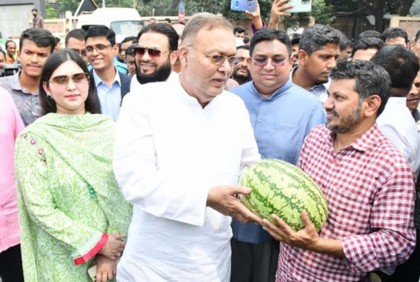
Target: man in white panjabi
(180, 146)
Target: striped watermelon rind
(283, 189)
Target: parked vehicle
(123, 21)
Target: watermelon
(284, 190)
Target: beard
(161, 74)
(240, 77)
(346, 123)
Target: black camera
(9, 69)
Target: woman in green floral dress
(72, 213)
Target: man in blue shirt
(281, 114)
(111, 84)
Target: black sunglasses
(153, 52)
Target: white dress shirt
(135, 84)
(398, 125)
(169, 152)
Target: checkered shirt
(370, 194)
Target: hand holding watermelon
(224, 200)
(306, 238)
(284, 190)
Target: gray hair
(200, 21)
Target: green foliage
(322, 10)
(50, 12)
(68, 5)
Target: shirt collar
(15, 85)
(363, 143)
(98, 80)
(276, 93)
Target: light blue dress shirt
(109, 97)
(281, 123)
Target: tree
(360, 9)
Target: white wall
(14, 19)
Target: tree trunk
(379, 14)
(406, 7)
(173, 8)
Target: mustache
(413, 99)
(332, 112)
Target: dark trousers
(254, 262)
(11, 265)
(410, 270)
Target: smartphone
(300, 6)
(243, 5)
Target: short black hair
(41, 37)
(417, 35)
(371, 33)
(164, 29)
(238, 29)
(295, 38)
(8, 41)
(4, 53)
(101, 31)
(127, 39)
(367, 43)
(401, 64)
(77, 33)
(34, 9)
(345, 43)
(371, 79)
(130, 51)
(270, 35)
(317, 36)
(395, 32)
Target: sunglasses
(98, 48)
(276, 62)
(64, 79)
(153, 52)
(81, 52)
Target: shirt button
(259, 120)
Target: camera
(9, 69)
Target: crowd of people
(120, 160)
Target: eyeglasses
(98, 48)
(64, 79)
(218, 60)
(276, 62)
(153, 52)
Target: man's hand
(307, 238)
(224, 200)
(278, 10)
(255, 17)
(114, 246)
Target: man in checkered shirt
(368, 185)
